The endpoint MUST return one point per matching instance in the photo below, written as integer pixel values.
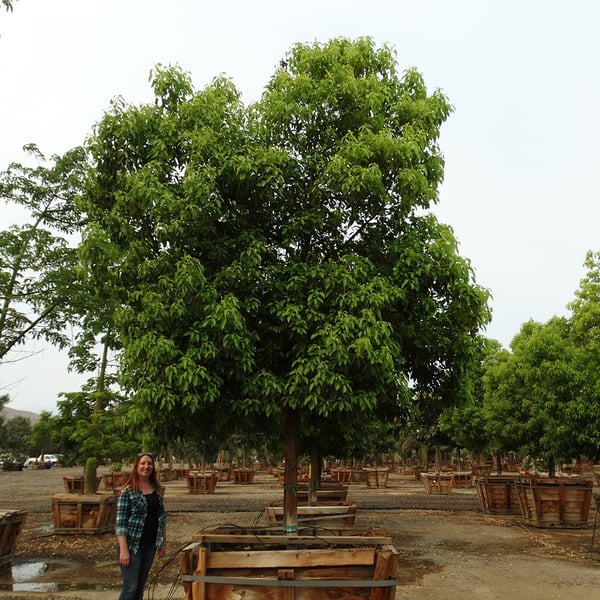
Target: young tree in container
(282, 259)
(529, 391)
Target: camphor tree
(281, 260)
(542, 397)
(467, 423)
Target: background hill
(10, 413)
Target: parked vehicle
(46, 460)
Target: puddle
(21, 577)
(44, 528)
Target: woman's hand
(162, 550)
(124, 557)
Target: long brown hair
(134, 477)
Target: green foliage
(14, 435)
(44, 436)
(37, 260)
(16, 432)
(467, 424)
(91, 424)
(542, 398)
(281, 257)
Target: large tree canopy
(282, 256)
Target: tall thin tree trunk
(91, 469)
(290, 481)
(315, 473)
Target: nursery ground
(447, 547)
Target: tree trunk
(290, 481)
(499, 463)
(91, 466)
(315, 473)
(89, 478)
(551, 467)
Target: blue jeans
(135, 575)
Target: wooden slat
(385, 568)
(199, 587)
(290, 592)
(287, 559)
(325, 540)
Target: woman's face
(145, 465)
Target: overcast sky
(521, 146)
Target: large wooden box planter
(11, 525)
(462, 479)
(230, 564)
(115, 481)
(482, 470)
(242, 476)
(498, 495)
(201, 483)
(342, 475)
(358, 476)
(327, 490)
(165, 475)
(75, 485)
(12, 466)
(437, 483)
(377, 478)
(336, 514)
(224, 473)
(562, 503)
(83, 514)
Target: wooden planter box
(462, 479)
(437, 483)
(342, 475)
(498, 495)
(11, 524)
(228, 564)
(12, 466)
(165, 475)
(377, 478)
(201, 483)
(75, 485)
(482, 470)
(88, 514)
(324, 514)
(115, 481)
(242, 476)
(563, 503)
(358, 476)
(224, 473)
(328, 490)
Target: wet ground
(447, 547)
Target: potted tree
(96, 433)
(281, 262)
(540, 385)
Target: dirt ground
(448, 548)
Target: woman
(141, 526)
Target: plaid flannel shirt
(132, 509)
